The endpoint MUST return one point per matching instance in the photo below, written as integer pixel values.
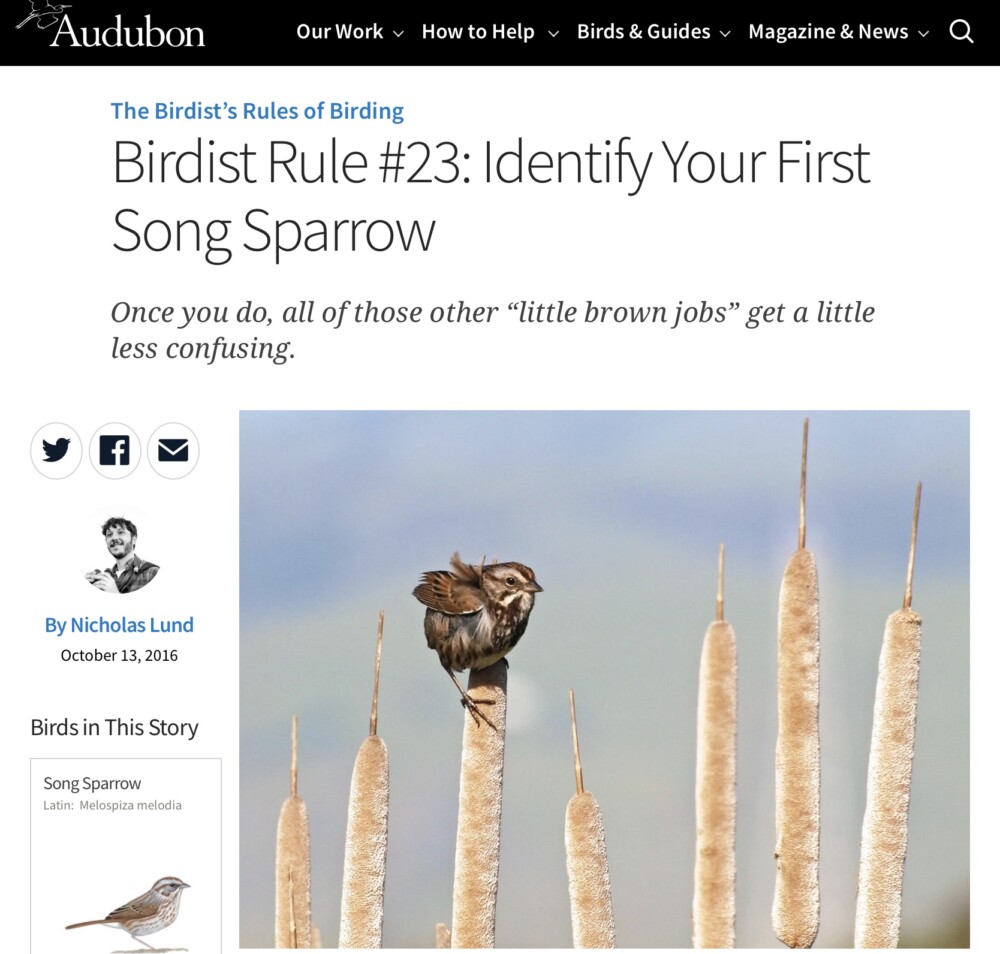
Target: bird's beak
(533, 587)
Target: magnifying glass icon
(960, 30)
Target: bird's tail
(86, 923)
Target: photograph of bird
(476, 615)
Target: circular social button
(56, 450)
(115, 450)
(172, 451)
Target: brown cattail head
(884, 831)
(361, 907)
(714, 911)
(293, 903)
(361, 902)
(795, 913)
(480, 798)
(890, 767)
(587, 861)
(589, 878)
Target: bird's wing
(47, 447)
(441, 591)
(134, 909)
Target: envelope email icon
(172, 449)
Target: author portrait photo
(129, 572)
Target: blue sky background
(620, 514)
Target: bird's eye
(510, 581)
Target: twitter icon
(56, 450)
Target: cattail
(587, 862)
(890, 764)
(442, 935)
(477, 850)
(292, 922)
(361, 905)
(795, 913)
(714, 915)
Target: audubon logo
(117, 34)
(44, 14)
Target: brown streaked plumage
(476, 615)
(146, 914)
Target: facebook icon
(113, 450)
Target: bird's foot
(472, 707)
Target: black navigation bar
(156, 33)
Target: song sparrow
(147, 914)
(476, 615)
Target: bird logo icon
(43, 13)
(56, 451)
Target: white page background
(918, 244)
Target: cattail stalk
(890, 766)
(480, 796)
(361, 905)
(795, 913)
(293, 906)
(587, 862)
(714, 913)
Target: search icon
(960, 30)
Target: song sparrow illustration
(147, 914)
(476, 615)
